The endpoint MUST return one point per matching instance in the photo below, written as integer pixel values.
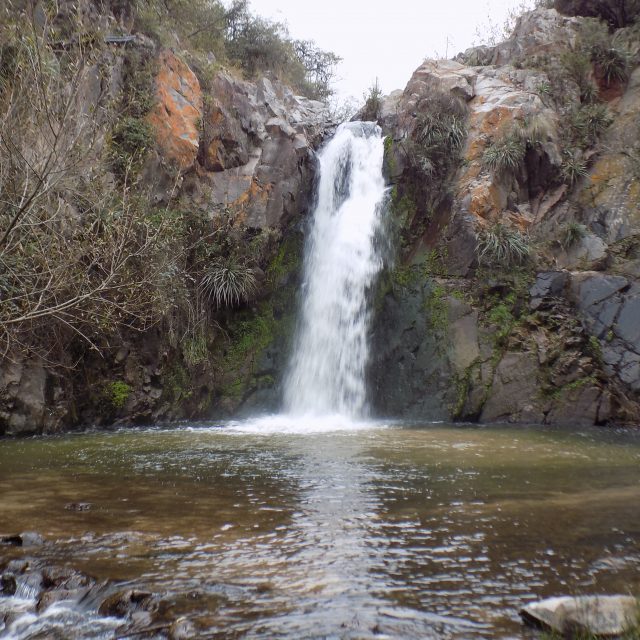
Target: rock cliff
(514, 294)
(216, 174)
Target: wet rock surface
(599, 616)
(40, 588)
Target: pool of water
(266, 530)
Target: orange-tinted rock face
(176, 116)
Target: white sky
(387, 40)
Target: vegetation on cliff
(519, 231)
(116, 252)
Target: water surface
(252, 530)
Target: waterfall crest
(327, 369)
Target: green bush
(228, 282)
(439, 134)
(372, 102)
(235, 35)
(130, 140)
(502, 244)
(574, 167)
(613, 63)
(505, 154)
(588, 122)
(571, 233)
(118, 393)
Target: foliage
(613, 63)
(506, 153)
(571, 233)
(577, 65)
(574, 167)
(237, 36)
(131, 138)
(437, 308)
(228, 282)
(501, 316)
(372, 102)
(439, 134)
(502, 244)
(587, 123)
(543, 88)
(118, 392)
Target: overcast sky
(389, 39)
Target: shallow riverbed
(256, 529)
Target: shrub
(227, 282)
(118, 392)
(535, 130)
(502, 244)
(505, 153)
(571, 233)
(372, 102)
(130, 140)
(588, 123)
(612, 62)
(439, 134)
(577, 65)
(574, 167)
(543, 88)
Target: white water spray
(327, 370)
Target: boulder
(601, 616)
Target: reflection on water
(258, 531)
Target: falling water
(342, 259)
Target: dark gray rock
(618, 13)
(547, 284)
(409, 373)
(590, 288)
(627, 326)
(576, 407)
(8, 584)
(124, 603)
(513, 389)
(25, 539)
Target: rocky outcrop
(178, 111)
(550, 338)
(245, 148)
(238, 158)
(256, 153)
(535, 33)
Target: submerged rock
(182, 629)
(602, 616)
(25, 539)
(125, 603)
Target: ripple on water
(347, 532)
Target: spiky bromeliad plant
(613, 63)
(505, 153)
(502, 244)
(574, 167)
(571, 233)
(228, 282)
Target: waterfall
(327, 370)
